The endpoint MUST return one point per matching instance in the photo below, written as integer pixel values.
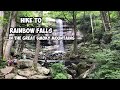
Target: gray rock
(43, 70)
(19, 77)
(7, 70)
(26, 72)
(10, 76)
(25, 63)
(40, 77)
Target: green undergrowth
(58, 71)
(108, 64)
(108, 61)
(3, 63)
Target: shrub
(103, 55)
(109, 64)
(60, 76)
(58, 71)
(115, 43)
(88, 51)
(2, 63)
(98, 32)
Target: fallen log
(86, 73)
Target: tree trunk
(36, 53)
(17, 47)
(1, 34)
(102, 20)
(37, 47)
(75, 31)
(10, 41)
(105, 20)
(7, 32)
(109, 20)
(91, 20)
(84, 23)
(22, 45)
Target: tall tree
(92, 26)
(10, 41)
(84, 23)
(7, 32)
(75, 32)
(106, 20)
(1, 32)
(109, 19)
(20, 44)
(36, 53)
(37, 47)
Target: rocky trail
(24, 70)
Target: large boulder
(26, 72)
(43, 70)
(10, 76)
(39, 77)
(25, 63)
(7, 70)
(19, 77)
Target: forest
(89, 49)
